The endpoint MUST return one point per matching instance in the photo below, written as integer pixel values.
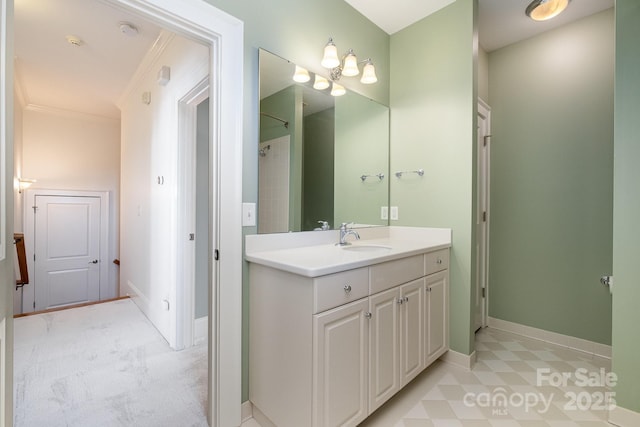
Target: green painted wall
(551, 101)
(361, 148)
(433, 127)
(626, 207)
(317, 193)
(296, 30)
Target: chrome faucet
(344, 232)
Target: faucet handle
(324, 225)
(344, 225)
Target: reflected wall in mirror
(320, 157)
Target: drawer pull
(439, 261)
(347, 288)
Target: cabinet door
(437, 319)
(384, 342)
(412, 329)
(340, 368)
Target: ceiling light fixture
(348, 65)
(541, 10)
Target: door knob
(95, 261)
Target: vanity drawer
(392, 273)
(436, 261)
(336, 289)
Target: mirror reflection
(322, 159)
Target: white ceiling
(90, 78)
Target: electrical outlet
(384, 212)
(394, 213)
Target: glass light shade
(330, 58)
(320, 83)
(541, 10)
(369, 74)
(350, 68)
(337, 90)
(301, 75)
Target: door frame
(106, 288)
(224, 34)
(185, 298)
(482, 264)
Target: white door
(482, 217)
(67, 250)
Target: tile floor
(516, 381)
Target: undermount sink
(366, 248)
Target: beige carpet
(104, 365)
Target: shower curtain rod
(284, 122)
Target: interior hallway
(104, 365)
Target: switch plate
(394, 213)
(248, 214)
(384, 212)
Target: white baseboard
(201, 330)
(624, 417)
(246, 411)
(590, 347)
(459, 359)
(262, 418)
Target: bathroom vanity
(337, 331)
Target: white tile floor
(516, 381)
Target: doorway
(66, 235)
(482, 216)
(223, 35)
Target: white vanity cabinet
(327, 351)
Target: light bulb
(350, 68)
(301, 75)
(368, 73)
(541, 10)
(337, 90)
(330, 58)
(320, 83)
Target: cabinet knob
(367, 315)
(428, 289)
(438, 261)
(406, 299)
(347, 288)
(400, 300)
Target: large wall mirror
(320, 157)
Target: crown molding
(146, 65)
(70, 114)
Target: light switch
(394, 213)
(248, 214)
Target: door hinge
(216, 255)
(34, 305)
(485, 140)
(484, 216)
(484, 292)
(192, 236)
(35, 209)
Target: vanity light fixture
(348, 65)
(541, 10)
(301, 75)
(320, 83)
(337, 90)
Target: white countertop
(320, 255)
